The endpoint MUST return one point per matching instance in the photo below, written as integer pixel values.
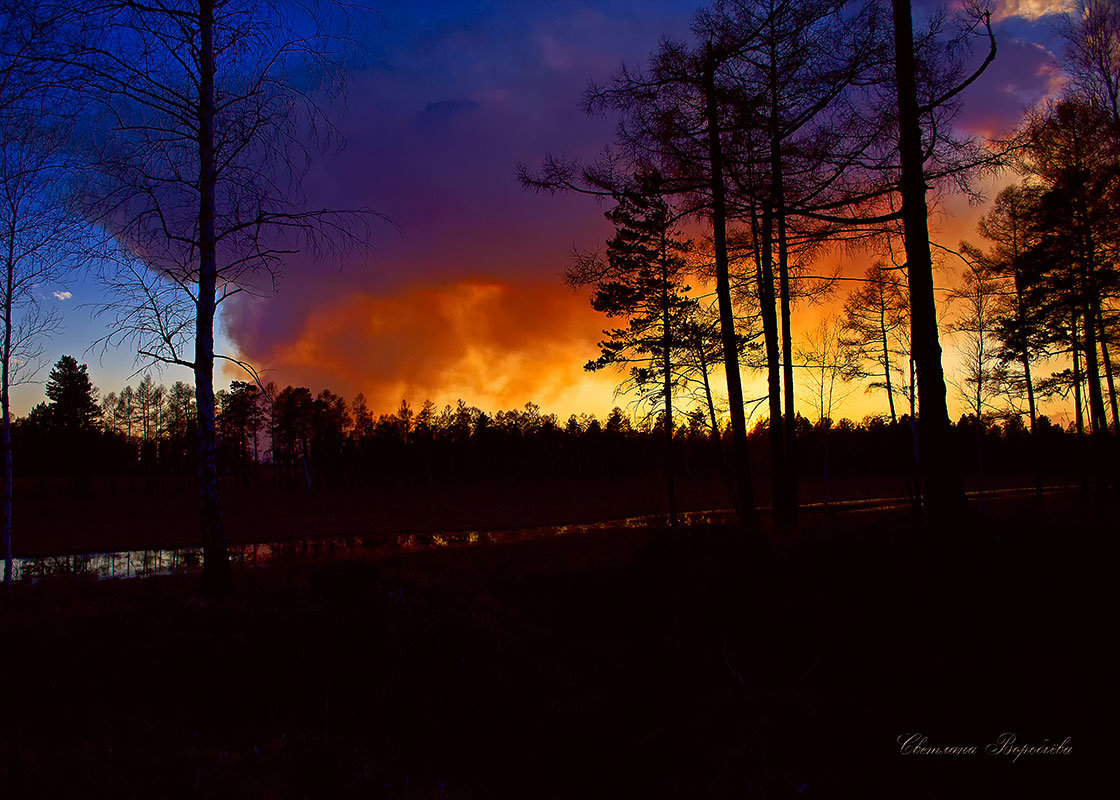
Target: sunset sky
(461, 296)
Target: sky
(460, 295)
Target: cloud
(62, 295)
(470, 92)
(1030, 9)
(495, 344)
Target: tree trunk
(826, 486)
(766, 302)
(1021, 318)
(789, 417)
(785, 494)
(980, 461)
(1102, 337)
(216, 571)
(1037, 464)
(1075, 347)
(1030, 389)
(666, 342)
(6, 446)
(717, 437)
(1091, 307)
(5, 405)
(6, 422)
(886, 349)
(915, 443)
(1097, 423)
(944, 497)
(708, 389)
(744, 495)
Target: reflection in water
(146, 563)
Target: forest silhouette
(289, 442)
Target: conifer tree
(73, 403)
(642, 283)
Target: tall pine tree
(642, 282)
(73, 398)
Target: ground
(627, 663)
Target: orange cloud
(492, 343)
(1031, 9)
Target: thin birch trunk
(216, 570)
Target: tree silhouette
(778, 114)
(792, 68)
(943, 493)
(642, 283)
(293, 410)
(1092, 34)
(149, 405)
(1068, 148)
(673, 119)
(872, 314)
(831, 364)
(121, 411)
(73, 406)
(181, 415)
(977, 299)
(239, 422)
(1010, 263)
(211, 107)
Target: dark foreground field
(626, 664)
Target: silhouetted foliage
(875, 323)
(73, 404)
(641, 283)
(1069, 150)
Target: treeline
(292, 438)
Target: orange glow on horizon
(494, 344)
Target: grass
(617, 664)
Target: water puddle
(148, 563)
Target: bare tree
(873, 315)
(701, 352)
(1092, 34)
(41, 238)
(211, 107)
(977, 298)
(831, 365)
